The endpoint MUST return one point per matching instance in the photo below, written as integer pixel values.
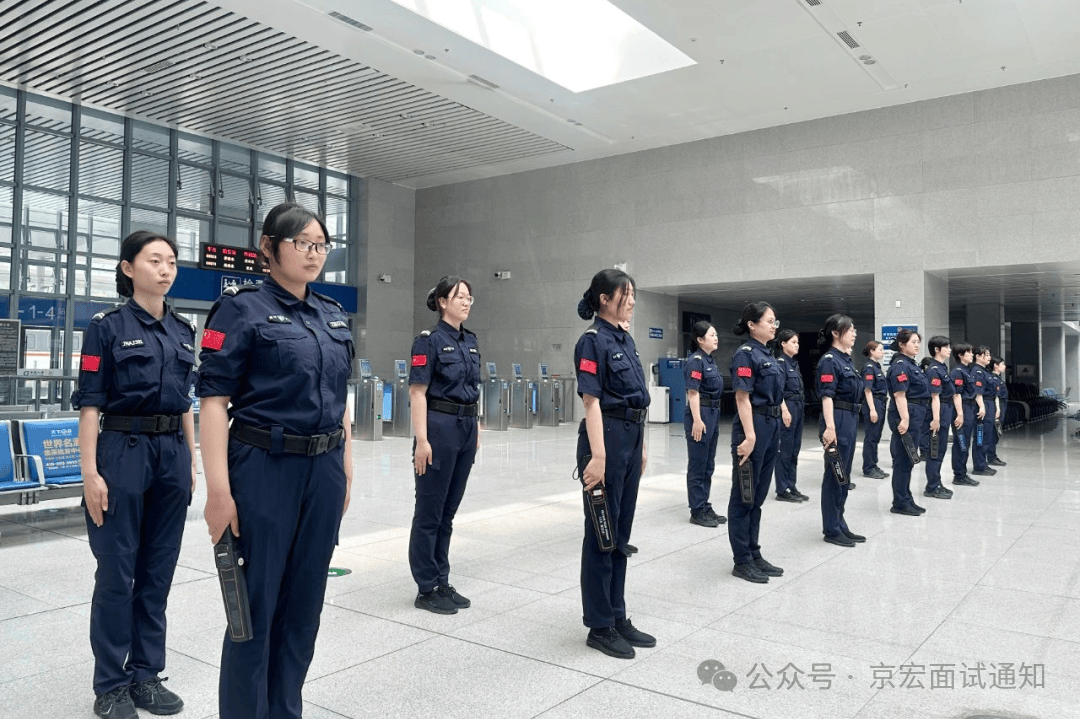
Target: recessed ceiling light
(418, 52)
(209, 46)
(871, 61)
(429, 57)
(864, 57)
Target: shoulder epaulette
(827, 355)
(185, 320)
(593, 328)
(745, 348)
(101, 314)
(428, 331)
(329, 299)
(233, 290)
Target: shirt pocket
(621, 376)
(341, 351)
(452, 366)
(136, 368)
(185, 369)
(283, 349)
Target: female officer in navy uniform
(944, 403)
(875, 394)
(136, 372)
(704, 385)
(971, 403)
(612, 387)
(907, 415)
(755, 436)
(787, 346)
(840, 385)
(1001, 395)
(980, 373)
(444, 386)
(279, 476)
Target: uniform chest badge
(617, 356)
(188, 347)
(338, 325)
(447, 349)
(767, 364)
(279, 319)
(472, 350)
(132, 343)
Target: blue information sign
(656, 333)
(42, 312)
(5, 306)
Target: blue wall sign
(656, 333)
(5, 307)
(42, 312)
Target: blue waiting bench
(39, 459)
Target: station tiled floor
(968, 610)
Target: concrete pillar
(985, 325)
(1026, 357)
(910, 299)
(1053, 357)
(1072, 365)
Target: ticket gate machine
(369, 405)
(496, 401)
(400, 416)
(521, 400)
(548, 399)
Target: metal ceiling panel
(205, 69)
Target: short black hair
(130, 249)
(960, 349)
(938, 342)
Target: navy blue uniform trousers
(787, 464)
(833, 494)
(902, 466)
(438, 495)
(289, 506)
(744, 521)
(149, 480)
(933, 466)
(603, 574)
(872, 435)
(701, 457)
(960, 456)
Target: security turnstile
(548, 398)
(496, 401)
(400, 417)
(369, 405)
(570, 402)
(521, 400)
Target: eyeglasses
(467, 300)
(321, 248)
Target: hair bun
(738, 329)
(431, 303)
(585, 310)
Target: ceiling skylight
(579, 44)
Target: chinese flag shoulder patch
(869, 378)
(902, 377)
(827, 378)
(936, 382)
(978, 383)
(958, 382)
(744, 372)
(695, 374)
(90, 363)
(587, 365)
(212, 339)
(419, 360)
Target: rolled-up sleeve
(95, 367)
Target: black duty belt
(921, 401)
(291, 443)
(769, 410)
(968, 401)
(706, 402)
(626, 414)
(462, 410)
(846, 406)
(151, 424)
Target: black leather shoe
(787, 496)
(939, 493)
(116, 704)
(996, 462)
(630, 549)
(434, 602)
(875, 473)
(966, 481)
(634, 636)
(152, 696)
(610, 642)
(910, 511)
(984, 472)
(456, 599)
(702, 519)
(720, 519)
(802, 497)
(767, 569)
(850, 485)
(852, 536)
(840, 540)
(749, 572)
(917, 508)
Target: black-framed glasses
(321, 248)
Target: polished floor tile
(990, 577)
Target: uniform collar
(604, 323)
(754, 343)
(145, 317)
(449, 329)
(283, 295)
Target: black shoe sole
(157, 711)
(793, 500)
(906, 512)
(434, 610)
(756, 580)
(704, 523)
(643, 645)
(840, 542)
(590, 642)
(858, 540)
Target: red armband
(419, 360)
(90, 363)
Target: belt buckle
(318, 444)
(162, 424)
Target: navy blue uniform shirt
(701, 374)
(838, 378)
(755, 370)
(1003, 389)
(940, 381)
(964, 382)
(608, 367)
(988, 386)
(874, 379)
(283, 361)
(136, 365)
(793, 386)
(448, 362)
(905, 375)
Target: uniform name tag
(132, 343)
(473, 350)
(279, 319)
(337, 324)
(447, 349)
